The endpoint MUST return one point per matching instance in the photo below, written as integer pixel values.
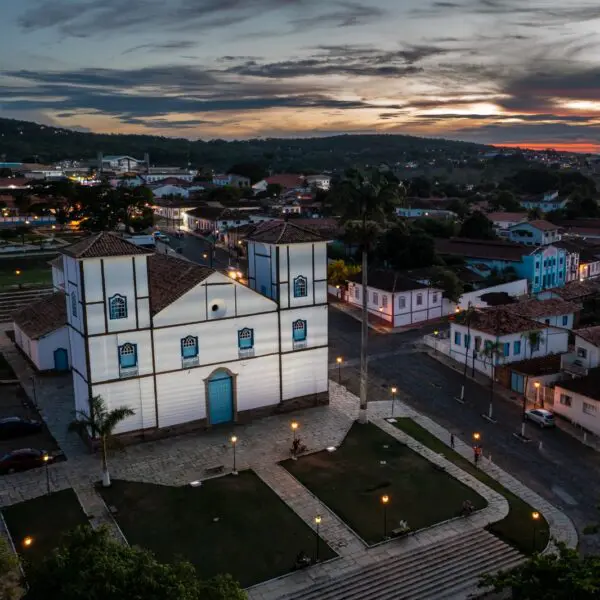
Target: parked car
(544, 418)
(11, 427)
(22, 460)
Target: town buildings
(534, 233)
(544, 202)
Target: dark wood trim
(313, 273)
(82, 376)
(85, 336)
(304, 350)
(288, 278)
(92, 303)
(70, 326)
(135, 298)
(325, 280)
(104, 295)
(83, 307)
(277, 262)
(72, 282)
(152, 349)
(254, 263)
(263, 255)
(306, 306)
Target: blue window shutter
(456, 338)
(517, 347)
(467, 341)
(506, 349)
(565, 320)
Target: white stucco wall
(41, 351)
(591, 359)
(589, 420)
(305, 373)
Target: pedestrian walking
(452, 440)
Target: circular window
(215, 307)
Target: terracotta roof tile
(507, 217)
(170, 278)
(576, 290)
(586, 386)
(104, 244)
(543, 225)
(552, 307)
(389, 281)
(492, 249)
(284, 232)
(43, 316)
(590, 334)
(500, 321)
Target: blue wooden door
(61, 359)
(220, 398)
(517, 382)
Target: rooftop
(484, 249)
(576, 290)
(170, 277)
(586, 386)
(501, 321)
(538, 366)
(43, 316)
(590, 334)
(286, 181)
(542, 225)
(535, 309)
(509, 217)
(389, 281)
(284, 232)
(103, 244)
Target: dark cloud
(88, 18)
(156, 47)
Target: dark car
(11, 427)
(22, 460)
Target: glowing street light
(317, 523)
(46, 459)
(394, 389)
(476, 447)
(339, 360)
(536, 385)
(294, 427)
(535, 516)
(233, 441)
(27, 541)
(384, 501)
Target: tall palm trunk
(364, 338)
(105, 473)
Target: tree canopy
(447, 281)
(404, 248)
(91, 565)
(563, 576)
(338, 272)
(10, 576)
(478, 227)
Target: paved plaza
(261, 445)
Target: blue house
(534, 233)
(544, 267)
(545, 202)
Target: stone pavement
(262, 444)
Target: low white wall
(513, 288)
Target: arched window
(299, 330)
(128, 356)
(300, 287)
(74, 303)
(118, 307)
(245, 338)
(189, 347)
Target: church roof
(104, 244)
(284, 232)
(170, 277)
(43, 316)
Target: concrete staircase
(12, 301)
(448, 570)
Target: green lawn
(517, 527)
(45, 519)
(6, 371)
(352, 480)
(33, 271)
(231, 524)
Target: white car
(544, 418)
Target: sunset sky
(515, 72)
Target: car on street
(12, 427)
(161, 237)
(23, 459)
(540, 416)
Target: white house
(321, 182)
(155, 177)
(232, 180)
(163, 191)
(396, 299)
(586, 353)
(185, 345)
(58, 276)
(534, 233)
(509, 330)
(122, 164)
(42, 334)
(555, 312)
(503, 220)
(578, 400)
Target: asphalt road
(194, 248)
(564, 471)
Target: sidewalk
(588, 439)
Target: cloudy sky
(499, 71)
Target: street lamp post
(535, 517)
(476, 447)
(339, 360)
(393, 390)
(294, 427)
(234, 443)
(317, 523)
(27, 541)
(435, 333)
(384, 501)
(46, 461)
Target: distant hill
(31, 142)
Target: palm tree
(100, 423)
(491, 352)
(364, 202)
(535, 339)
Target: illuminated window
(299, 330)
(300, 287)
(118, 307)
(189, 347)
(128, 356)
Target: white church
(187, 346)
